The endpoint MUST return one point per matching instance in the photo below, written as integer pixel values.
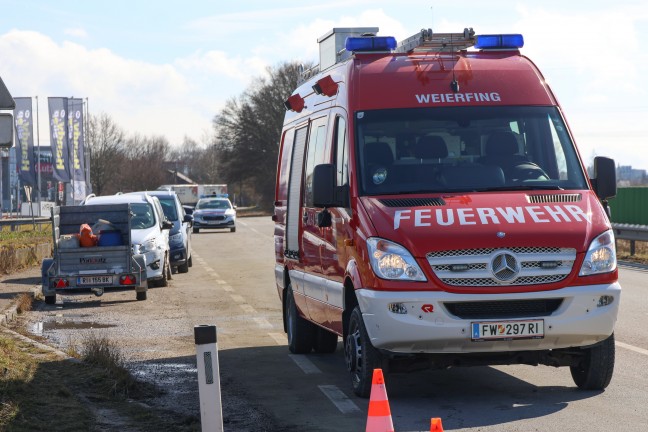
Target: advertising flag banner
(58, 110)
(77, 150)
(25, 160)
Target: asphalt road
(231, 285)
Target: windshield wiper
(519, 188)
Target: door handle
(305, 217)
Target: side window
(315, 156)
(341, 152)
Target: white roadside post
(211, 410)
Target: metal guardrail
(631, 232)
(14, 224)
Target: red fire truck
(432, 210)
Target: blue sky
(167, 67)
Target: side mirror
(604, 180)
(188, 218)
(325, 193)
(6, 131)
(167, 224)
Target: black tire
(190, 261)
(50, 299)
(141, 295)
(184, 268)
(164, 281)
(301, 332)
(325, 342)
(595, 370)
(196, 230)
(233, 229)
(361, 357)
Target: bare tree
(106, 143)
(248, 131)
(144, 168)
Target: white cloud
(141, 97)
(76, 32)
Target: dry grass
(640, 255)
(103, 353)
(24, 302)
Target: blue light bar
(504, 41)
(370, 43)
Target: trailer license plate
(492, 330)
(94, 280)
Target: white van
(149, 233)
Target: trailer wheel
(50, 299)
(300, 330)
(361, 357)
(594, 372)
(140, 295)
(325, 342)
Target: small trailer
(108, 263)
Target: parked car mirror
(188, 218)
(167, 224)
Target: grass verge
(41, 391)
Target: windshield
(169, 208)
(213, 204)
(142, 216)
(465, 149)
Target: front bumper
(178, 256)
(577, 322)
(227, 222)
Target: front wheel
(300, 330)
(233, 229)
(196, 230)
(361, 357)
(594, 372)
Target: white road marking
(263, 323)
(228, 288)
(280, 338)
(221, 282)
(307, 366)
(209, 269)
(248, 309)
(632, 348)
(339, 399)
(237, 298)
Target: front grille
(507, 309)
(214, 218)
(502, 266)
(413, 202)
(553, 198)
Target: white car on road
(149, 232)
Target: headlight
(392, 261)
(601, 255)
(147, 246)
(175, 238)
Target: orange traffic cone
(379, 418)
(436, 425)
